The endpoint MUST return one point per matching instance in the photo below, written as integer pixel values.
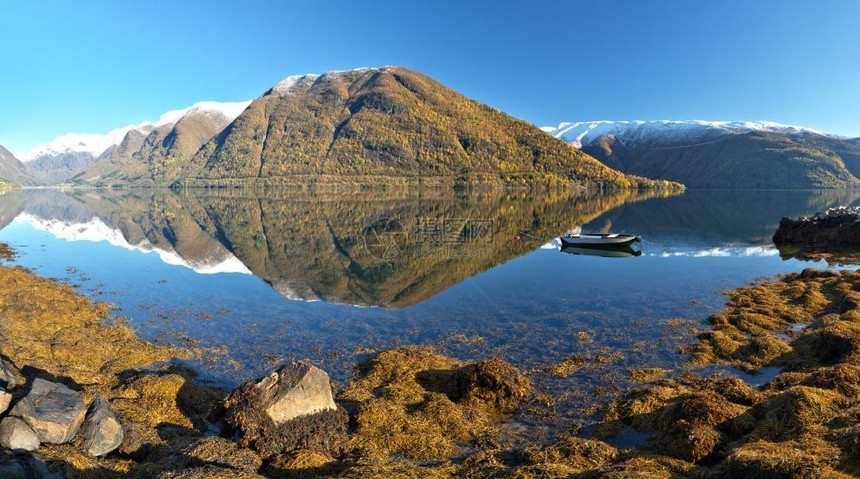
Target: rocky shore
(82, 397)
(836, 227)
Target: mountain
(720, 154)
(375, 124)
(12, 170)
(66, 155)
(146, 157)
(55, 161)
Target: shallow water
(260, 279)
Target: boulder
(17, 435)
(54, 411)
(292, 408)
(5, 399)
(102, 431)
(8, 374)
(298, 389)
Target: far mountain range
(391, 122)
(720, 154)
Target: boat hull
(605, 251)
(598, 240)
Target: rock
(17, 435)
(5, 399)
(102, 431)
(298, 389)
(290, 409)
(8, 374)
(54, 411)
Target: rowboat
(585, 240)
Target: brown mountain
(153, 156)
(381, 123)
(12, 170)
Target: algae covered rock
(54, 411)
(567, 456)
(290, 409)
(417, 404)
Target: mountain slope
(147, 159)
(12, 170)
(385, 122)
(720, 154)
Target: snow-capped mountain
(719, 154)
(61, 158)
(583, 133)
(146, 158)
(96, 144)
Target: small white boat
(606, 251)
(577, 238)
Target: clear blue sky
(90, 66)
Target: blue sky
(91, 66)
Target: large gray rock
(5, 399)
(292, 408)
(17, 435)
(8, 374)
(297, 389)
(54, 411)
(102, 431)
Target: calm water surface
(258, 279)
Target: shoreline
(796, 424)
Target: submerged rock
(54, 411)
(290, 409)
(102, 431)
(17, 435)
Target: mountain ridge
(143, 159)
(97, 143)
(583, 133)
(720, 154)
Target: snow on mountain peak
(229, 109)
(96, 144)
(295, 83)
(583, 133)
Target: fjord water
(255, 279)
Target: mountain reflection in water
(365, 249)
